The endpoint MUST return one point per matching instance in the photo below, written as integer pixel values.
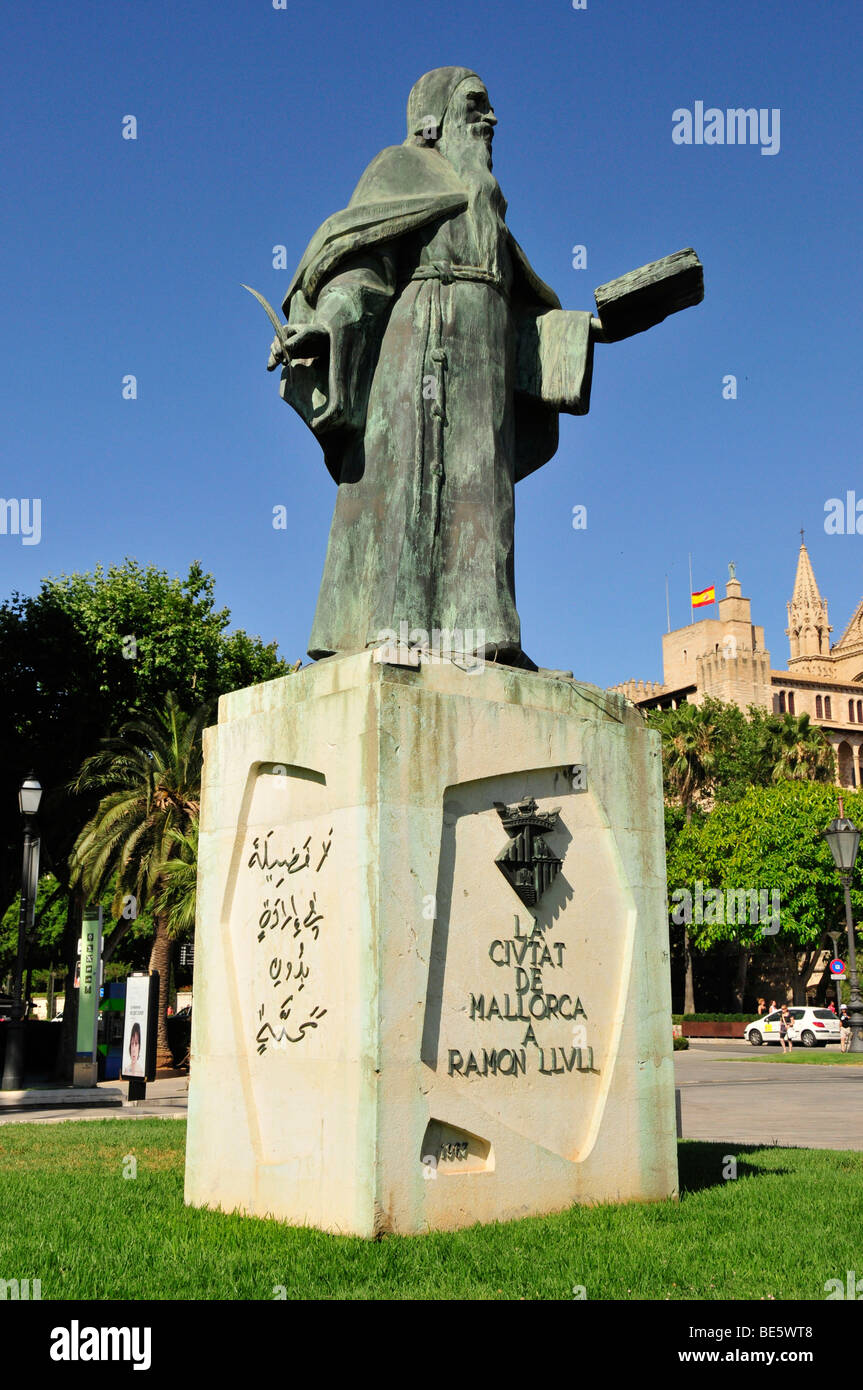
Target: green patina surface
(431, 363)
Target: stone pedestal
(85, 1073)
(431, 974)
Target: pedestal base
(432, 974)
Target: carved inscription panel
(287, 892)
(293, 962)
(524, 1004)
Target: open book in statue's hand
(554, 357)
(644, 297)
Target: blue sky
(254, 124)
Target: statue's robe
(417, 408)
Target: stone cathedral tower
(808, 629)
(726, 657)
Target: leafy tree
(84, 655)
(49, 920)
(150, 779)
(720, 751)
(45, 953)
(713, 754)
(768, 840)
(745, 749)
(77, 660)
(149, 634)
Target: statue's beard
(469, 154)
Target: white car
(811, 1027)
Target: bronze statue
(431, 362)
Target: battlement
(638, 690)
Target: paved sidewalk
(748, 1102)
(722, 1100)
(167, 1096)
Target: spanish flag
(704, 596)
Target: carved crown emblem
(526, 862)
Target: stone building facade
(725, 657)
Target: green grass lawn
(808, 1056)
(789, 1222)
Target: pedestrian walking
(831, 1006)
(762, 1007)
(785, 1022)
(845, 1023)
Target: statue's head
(450, 104)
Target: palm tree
(178, 893)
(688, 761)
(177, 896)
(150, 774)
(801, 751)
(688, 753)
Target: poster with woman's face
(134, 1062)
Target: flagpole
(691, 609)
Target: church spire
(805, 586)
(808, 629)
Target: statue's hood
(431, 95)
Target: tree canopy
(149, 778)
(715, 751)
(770, 840)
(747, 794)
(84, 655)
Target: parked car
(180, 1037)
(811, 1027)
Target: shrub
(712, 1018)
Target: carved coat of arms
(527, 862)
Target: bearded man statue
(430, 362)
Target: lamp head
(29, 796)
(843, 837)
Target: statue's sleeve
(554, 369)
(352, 307)
(555, 359)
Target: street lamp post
(843, 837)
(834, 937)
(29, 797)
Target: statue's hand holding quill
(291, 343)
